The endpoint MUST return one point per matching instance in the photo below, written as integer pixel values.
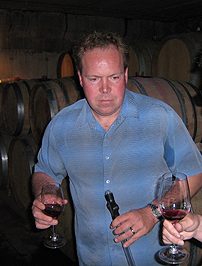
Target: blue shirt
(147, 140)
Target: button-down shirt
(146, 140)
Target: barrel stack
(27, 108)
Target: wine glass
(53, 199)
(174, 204)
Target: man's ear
(80, 78)
(126, 75)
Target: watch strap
(156, 211)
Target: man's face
(103, 80)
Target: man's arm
(195, 183)
(38, 180)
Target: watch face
(155, 210)
(158, 213)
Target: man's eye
(93, 79)
(115, 77)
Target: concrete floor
(21, 244)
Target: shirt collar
(129, 109)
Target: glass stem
(53, 226)
(173, 249)
(54, 236)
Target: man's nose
(105, 86)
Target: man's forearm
(38, 180)
(195, 183)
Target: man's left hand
(133, 225)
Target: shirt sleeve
(181, 153)
(49, 160)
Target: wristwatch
(156, 211)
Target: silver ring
(132, 230)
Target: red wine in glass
(174, 204)
(173, 214)
(54, 210)
(53, 199)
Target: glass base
(179, 255)
(54, 242)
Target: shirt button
(107, 157)
(108, 181)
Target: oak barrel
(5, 140)
(65, 66)
(141, 54)
(175, 58)
(22, 154)
(2, 86)
(15, 107)
(47, 99)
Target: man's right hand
(42, 221)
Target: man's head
(101, 60)
(99, 40)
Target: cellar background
(35, 36)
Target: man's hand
(141, 221)
(184, 229)
(42, 221)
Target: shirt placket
(107, 162)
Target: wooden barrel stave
(2, 86)
(47, 99)
(140, 61)
(21, 160)
(5, 140)
(72, 89)
(42, 107)
(175, 58)
(15, 108)
(141, 54)
(188, 107)
(65, 66)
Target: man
(113, 140)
